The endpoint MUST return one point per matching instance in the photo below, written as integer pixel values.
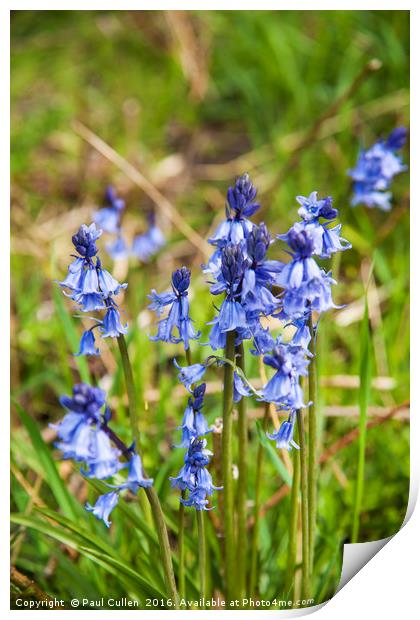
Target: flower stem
(151, 494)
(305, 506)
(255, 531)
(242, 538)
(181, 548)
(230, 560)
(165, 549)
(202, 554)
(131, 389)
(293, 526)
(188, 356)
(312, 448)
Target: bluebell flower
(136, 477)
(232, 269)
(232, 314)
(194, 423)
(85, 437)
(217, 338)
(118, 249)
(103, 460)
(188, 375)
(284, 435)
(313, 294)
(107, 284)
(85, 399)
(80, 433)
(104, 506)
(78, 444)
(194, 476)
(178, 315)
(89, 284)
(85, 240)
(260, 274)
(375, 170)
(306, 286)
(283, 388)
(111, 325)
(312, 208)
(197, 498)
(68, 425)
(109, 218)
(263, 340)
(195, 458)
(87, 344)
(302, 335)
(304, 241)
(75, 275)
(240, 205)
(149, 243)
(240, 389)
(327, 239)
(89, 302)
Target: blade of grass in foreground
(364, 393)
(273, 454)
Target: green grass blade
(364, 394)
(72, 539)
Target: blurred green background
(192, 99)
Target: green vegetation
(191, 100)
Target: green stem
(151, 494)
(202, 554)
(188, 356)
(293, 526)
(305, 506)
(131, 389)
(181, 548)
(181, 523)
(230, 559)
(242, 538)
(165, 549)
(312, 448)
(255, 531)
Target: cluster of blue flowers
(375, 170)
(179, 310)
(243, 272)
(306, 288)
(108, 219)
(85, 437)
(93, 289)
(194, 477)
(256, 287)
(147, 244)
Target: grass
(259, 82)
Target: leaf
(273, 454)
(51, 475)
